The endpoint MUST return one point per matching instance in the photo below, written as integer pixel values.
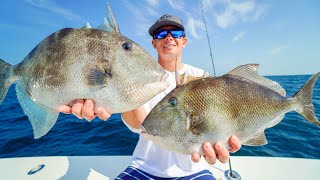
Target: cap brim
(158, 25)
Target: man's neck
(170, 64)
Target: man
(150, 160)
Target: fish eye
(127, 46)
(172, 101)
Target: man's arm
(135, 117)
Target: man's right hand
(84, 108)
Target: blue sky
(282, 36)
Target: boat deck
(108, 167)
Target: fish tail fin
(5, 81)
(304, 99)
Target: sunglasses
(175, 33)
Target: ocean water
(292, 137)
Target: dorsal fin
(186, 78)
(105, 26)
(87, 26)
(250, 71)
(110, 24)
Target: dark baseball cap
(166, 20)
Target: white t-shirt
(155, 160)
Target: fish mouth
(145, 133)
(164, 77)
(143, 130)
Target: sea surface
(292, 137)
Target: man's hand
(85, 109)
(217, 151)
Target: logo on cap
(166, 16)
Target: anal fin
(41, 118)
(258, 139)
(275, 121)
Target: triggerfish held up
(211, 109)
(84, 63)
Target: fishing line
(231, 172)
(177, 77)
(205, 24)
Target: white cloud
(238, 36)
(207, 4)
(141, 30)
(137, 12)
(152, 3)
(193, 25)
(177, 5)
(51, 6)
(235, 12)
(242, 8)
(143, 13)
(261, 9)
(278, 49)
(152, 12)
(226, 19)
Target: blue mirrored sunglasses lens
(161, 34)
(176, 33)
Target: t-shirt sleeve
(196, 71)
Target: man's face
(169, 46)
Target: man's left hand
(217, 151)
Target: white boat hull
(108, 167)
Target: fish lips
(164, 78)
(145, 132)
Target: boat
(109, 167)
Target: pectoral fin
(100, 74)
(258, 139)
(194, 121)
(41, 118)
(98, 77)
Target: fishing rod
(205, 24)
